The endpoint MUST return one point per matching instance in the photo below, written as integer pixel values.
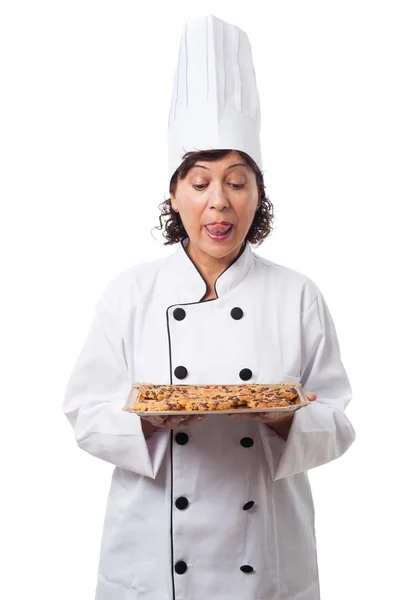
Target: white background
(85, 96)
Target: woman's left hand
(272, 418)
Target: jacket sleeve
(320, 432)
(95, 394)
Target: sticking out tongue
(218, 229)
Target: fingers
(174, 421)
(154, 420)
(184, 421)
(165, 421)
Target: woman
(213, 506)
(250, 215)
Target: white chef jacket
(222, 509)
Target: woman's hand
(174, 421)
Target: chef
(217, 508)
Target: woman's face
(217, 192)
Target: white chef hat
(215, 100)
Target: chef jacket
(222, 509)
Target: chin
(219, 249)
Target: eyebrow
(229, 167)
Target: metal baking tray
(135, 393)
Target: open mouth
(218, 232)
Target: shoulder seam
(308, 308)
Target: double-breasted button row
(236, 313)
(182, 438)
(181, 567)
(181, 372)
(182, 503)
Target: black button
(246, 568)
(246, 442)
(181, 502)
(245, 374)
(179, 314)
(181, 372)
(181, 438)
(248, 505)
(180, 567)
(237, 313)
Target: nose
(218, 198)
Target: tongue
(218, 229)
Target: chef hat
(215, 100)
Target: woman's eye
(200, 186)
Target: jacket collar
(192, 285)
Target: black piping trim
(172, 518)
(170, 379)
(172, 469)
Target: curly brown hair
(173, 229)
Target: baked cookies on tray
(188, 399)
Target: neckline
(193, 283)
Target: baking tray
(135, 392)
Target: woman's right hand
(174, 421)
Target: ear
(173, 204)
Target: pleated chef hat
(215, 100)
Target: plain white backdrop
(84, 102)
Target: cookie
(157, 406)
(286, 396)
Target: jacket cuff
(105, 431)
(274, 446)
(319, 434)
